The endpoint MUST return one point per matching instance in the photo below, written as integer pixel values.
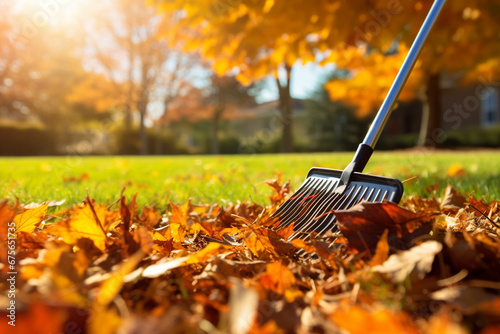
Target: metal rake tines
(355, 194)
(311, 208)
(313, 191)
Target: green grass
(209, 179)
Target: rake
(311, 208)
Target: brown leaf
(131, 244)
(143, 238)
(150, 217)
(452, 199)
(280, 245)
(279, 191)
(364, 223)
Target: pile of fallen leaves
(426, 266)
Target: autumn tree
(332, 124)
(220, 98)
(129, 50)
(255, 39)
(225, 95)
(38, 70)
(465, 36)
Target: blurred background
(164, 77)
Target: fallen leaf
(112, 286)
(420, 257)
(382, 251)
(364, 223)
(243, 303)
(163, 266)
(88, 221)
(104, 321)
(357, 320)
(452, 199)
(26, 221)
(456, 170)
(37, 318)
(277, 278)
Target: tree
(221, 98)
(254, 39)
(35, 76)
(128, 49)
(225, 95)
(333, 125)
(465, 36)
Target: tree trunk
(215, 130)
(159, 143)
(143, 135)
(430, 128)
(286, 111)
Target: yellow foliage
(26, 221)
(90, 221)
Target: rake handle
(404, 72)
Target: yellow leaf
(268, 5)
(112, 286)
(85, 224)
(104, 321)
(456, 170)
(27, 220)
(211, 250)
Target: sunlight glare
(56, 13)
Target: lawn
(211, 179)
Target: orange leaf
(259, 245)
(382, 251)
(278, 278)
(355, 319)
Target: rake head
(311, 208)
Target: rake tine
(320, 221)
(292, 203)
(303, 188)
(303, 223)
(331, 203)
(289, 215)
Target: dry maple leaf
(88, 221)
(364, 223)
(279, 191)
(27, 221)
(278, 278)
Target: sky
(305, 79)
